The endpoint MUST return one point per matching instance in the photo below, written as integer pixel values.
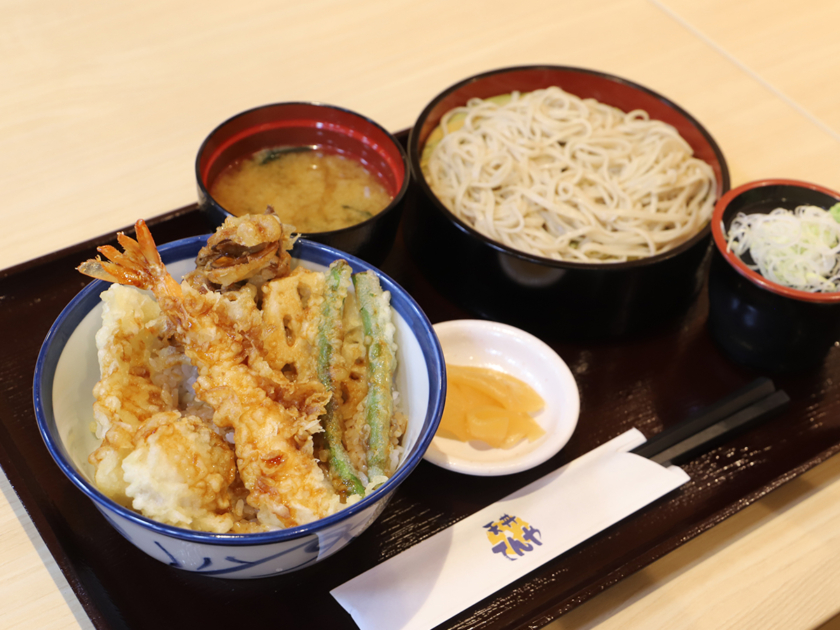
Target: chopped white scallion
(795, 248)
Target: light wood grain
(792, 48)
(34, 592)
(772, 565)
(104, 105)
(104, 108)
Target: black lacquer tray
(648, 382)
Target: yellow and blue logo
(512, 537)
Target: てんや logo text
(512, 537)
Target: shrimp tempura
(214, 316)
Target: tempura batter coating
(272, 417)
(179, 473)
(141, 375)
(227, 357)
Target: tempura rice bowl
(67, 370)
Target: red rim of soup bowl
(753, 276)
(359, 130)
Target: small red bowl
(316, 125)
(758, 322)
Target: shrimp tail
(138, 265)
(95, 268)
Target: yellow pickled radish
(488, 405)
(489, 424)
(511, 392)
(453, 423)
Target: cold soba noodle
(566, 178)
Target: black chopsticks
(742, 409)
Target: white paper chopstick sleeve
(452, 570)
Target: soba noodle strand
(561, 177)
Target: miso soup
(312, 190)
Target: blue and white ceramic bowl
(67, 370)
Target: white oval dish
(502, 347)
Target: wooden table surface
(104, 105)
